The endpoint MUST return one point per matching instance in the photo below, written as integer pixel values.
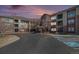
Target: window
(16, 25)
(53, 29)
(53, 17)
(16, 30)
(53, 23)
(71, 21)
(71, 29)
(60, 29)
(60, 22)
(60, 16)
(16, 20)
(71, 13)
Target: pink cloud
(28, 11)
(41, 11)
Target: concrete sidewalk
(8, 39)
(66, 37)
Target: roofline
(21, 18)
(65, 10)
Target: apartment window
(60, 29)
(71, 21)
(71, 13)
(16, 30)
(60, 16)
(53, 29)
(71, 29)
(53, 17)
(60, 22)
(16, 25)
(53, 23)
(16, 20)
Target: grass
(70, 36)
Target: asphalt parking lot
(32, 43)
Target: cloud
(41, 11)
(25, 10)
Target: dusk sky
(30, 11)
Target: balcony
(60, 29)
(16, 25)
(60, 23)
(16, 21)
(59, 16)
